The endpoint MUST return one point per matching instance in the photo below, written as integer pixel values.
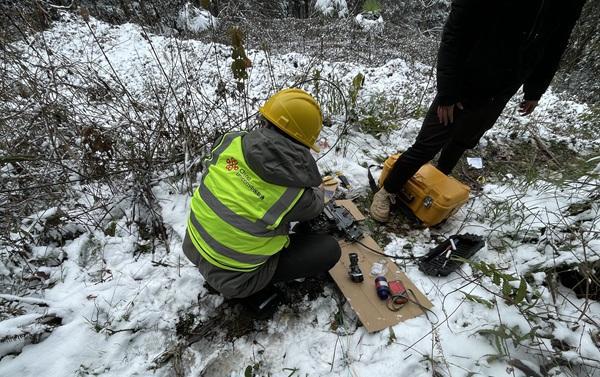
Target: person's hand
(527, 107)
(446, 113)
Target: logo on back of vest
(232, 164)
(247, 181)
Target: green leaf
(358, 81)
(248, 371)
(498, 343)
(372, 6)
(496, 278)
(483, 268)
(357, 84)
(506, 289)
(508, 277)
(521, 292)
(491, 359)
(479, 300)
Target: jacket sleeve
(309, 206)
(537, 83)
(458, 37)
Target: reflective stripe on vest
(235, 222)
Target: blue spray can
(382, 287)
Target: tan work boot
(380, 207)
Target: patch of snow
(333, 8)
(195, 19)
(370, 22)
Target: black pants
(453, 139)
(307, 255)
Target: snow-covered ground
(119, 307)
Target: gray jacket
(277, 160)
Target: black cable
(384, 254)
(345, 125)
(390, 304)
(372, 184)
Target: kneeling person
(254, 184)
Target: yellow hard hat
(296, 113)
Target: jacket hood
(280, 161)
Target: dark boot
(262, 304)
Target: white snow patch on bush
(370, 22)
(194, 19)
(332, 8)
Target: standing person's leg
(469, 125)
(307, 255)
(431, 139)
(467, 134)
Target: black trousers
(452, 140)
(307, 255)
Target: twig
(26, 300)
(543, 146)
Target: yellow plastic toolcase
(431, 195)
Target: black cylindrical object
(354, 272)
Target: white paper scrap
(475, 162)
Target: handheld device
(354, 272)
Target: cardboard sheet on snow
(373, 312)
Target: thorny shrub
(76, 139)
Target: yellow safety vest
(235, 219)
